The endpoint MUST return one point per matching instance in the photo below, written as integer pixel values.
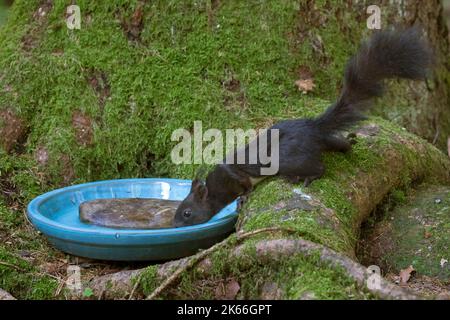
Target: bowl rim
(56, 229)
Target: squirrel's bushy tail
(387, 54)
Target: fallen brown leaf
(427, 234)
(305, 85)
(405, 274)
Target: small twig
(436, 136)
(59, 288)
(448, 146)
(100, 296)
(46, 274)
(243, 235)
(6, 264)
(138, 280)
(199, 256)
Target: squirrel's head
(195, 209)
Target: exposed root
(201, 255)
(115, 285)
(5, 295)
(138, 281)
(6, 264)
(269, 250)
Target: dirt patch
(28, 42)
(211, 12)
(146, 160)
(133, 26)
(304, 73)
(67, 172)
(43, 9)
(232, 84)
(41, 155)
(57, 169)
(308, 18)
(31, 39)
(374, 243)
(84, 132)
(9, 192)
(13, 131)
(99, 82)
(234, 94)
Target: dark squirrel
(387, 54)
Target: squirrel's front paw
(351, 138)
(240, 202)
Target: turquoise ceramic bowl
(55, 214)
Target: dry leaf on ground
(305, 85)
(405, 274)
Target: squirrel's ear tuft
(199, 190)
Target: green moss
(302, 279)
(4, 10)
(398, 196)
(19, 183)
(136, 92)
(148, 280)
(172, 75)
(175, 73)
(25, 282)
(270, 191)
(277, 203)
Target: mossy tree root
(5, 295)
(267, 252)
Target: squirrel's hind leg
(308, 171)
(317, 173)
(337, 143)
